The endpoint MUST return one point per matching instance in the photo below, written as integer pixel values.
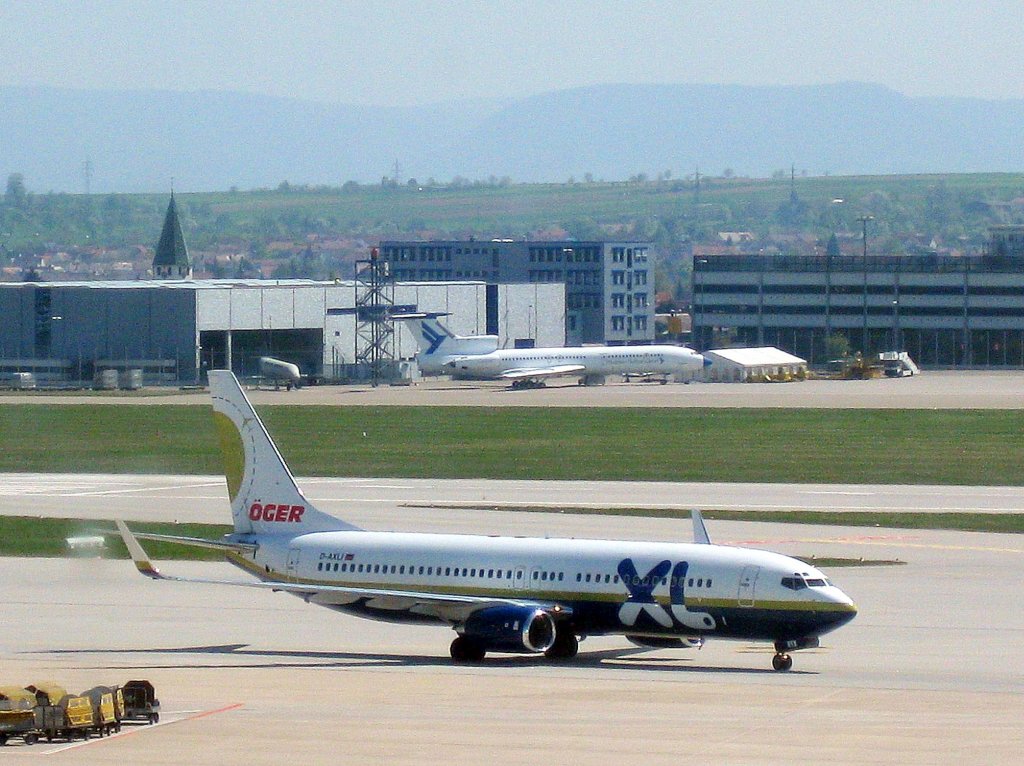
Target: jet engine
(523, 629)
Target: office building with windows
(946, 311)
(609, 286)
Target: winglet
(142, 562)
(700, 532)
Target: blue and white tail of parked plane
(502, 594)
(438, 346)
(478, 357)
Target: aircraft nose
(842, 609)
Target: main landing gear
(565, 647)
(782, 662)
(467, 650)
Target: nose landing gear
(782, 662)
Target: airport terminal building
(946, 311)
(174, 330)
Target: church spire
(172, 260)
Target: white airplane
(478, 357)
(504, 594)
(280, 373)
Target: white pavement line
(128, 490)
(127, 731)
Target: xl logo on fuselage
(641, 598)
(274, 512)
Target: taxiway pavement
(973, 389)
(930, 672)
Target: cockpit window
(815, 582)
(793, 583)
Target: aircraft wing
(454, 608)
(541, 372)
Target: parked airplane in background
(279, 373)
(478, 357)
(505, 594)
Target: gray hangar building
(174, 330)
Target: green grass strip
(1007, 523)
(970, 447)
(46, 537)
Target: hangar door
(302, 347)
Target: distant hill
(139, 141)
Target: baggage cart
(140, 702)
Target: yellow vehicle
(78, 716)
(106, 702)
(17, 715)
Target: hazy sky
(396, 53)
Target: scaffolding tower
(375, 330)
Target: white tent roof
(754, 357)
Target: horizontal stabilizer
(193, 542)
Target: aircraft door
(520, 580)
(748, 579)
(293, 560)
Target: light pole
(864, 230)
(895, 325)
(828, 275)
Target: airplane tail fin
(264, 496)
(435, 340)
(431, 335)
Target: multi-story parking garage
(945, 311)
(175, 330)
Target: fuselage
(593, 360)
(611, 587)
